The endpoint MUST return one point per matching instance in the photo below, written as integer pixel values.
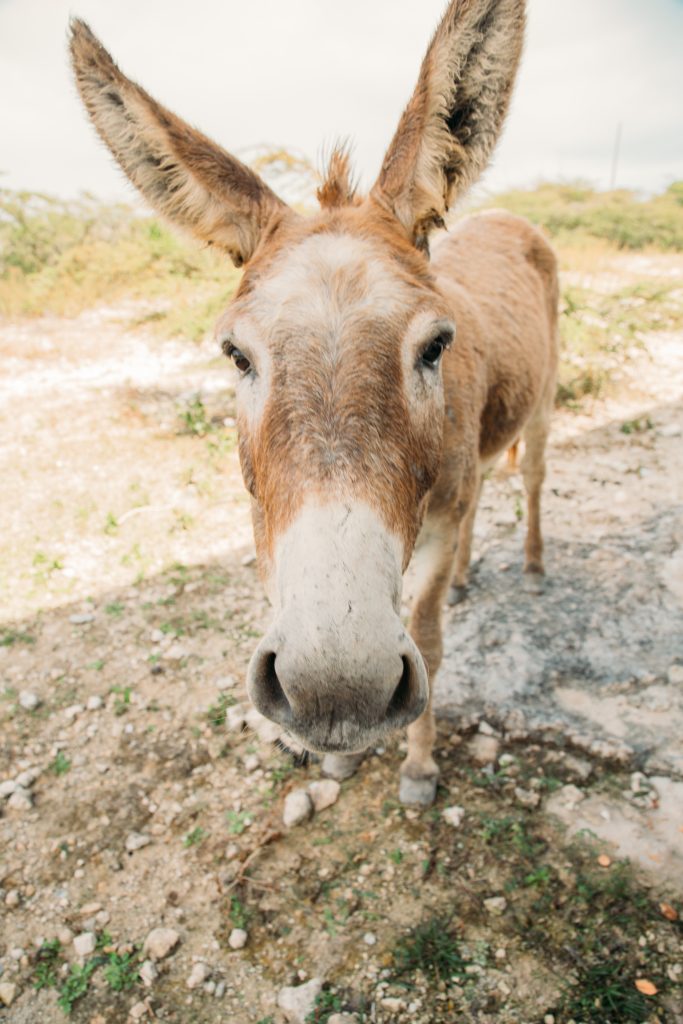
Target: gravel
(199, 974)
(297, 1002)
(453, 815)
(238, 938)
(324, 793)
(298, 808)
(85, 944)
(160, 943)
(29, 700)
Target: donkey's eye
(434, 350)
(239, 359)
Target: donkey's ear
(184, 175)
(449, 128)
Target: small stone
(12, 899)
(198, 975)
(670, 430)
(226, 683)
(20, 800)
(94, 703)
(392, 1004)
(88, 909)
(232, 851)
(29, 701)
(136, 841)
(496, 905)
(298, 1002)
(7, 993)
(486, 729)
(549, 1019)
(81, 618)
(8, 787)
(73, 711)
(220, 990)
(343, 1018)
(483, 749)
(237, 938)
(156, 636)
(160, 942)
(370, 939)
(176, 652)
(148, 973)
(27, 778)
(252, 762)
(570, 796)
(298, 808)
(249, 559)
(85, 944)
(65, 935)
(324, 793)
(527, 797)
(675, 674)
(453, 815)
(138, 1010)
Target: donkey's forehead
(327, 276)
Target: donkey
(365, 423)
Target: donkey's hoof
(534, 581)
(341, 766)
(456, 595)
(417, 791)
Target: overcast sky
(301, 73)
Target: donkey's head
(337, 331)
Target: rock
(12, 899)
(570, 796)
(392, 1004)
(324, 793)
(81, 618)
(297, 1002)
(251, 762)
(199, 974)
(527, 797)
(226, 683)
(176, 652)
(370, 939)
(136, 841)
(343, 1018)
(73, 711)
(578, 766)
(298, 808)
(65, 935)
(483, 749)
(20, 800)
(160, 942)
(156, 636)
(138, 1011)
(453, 815)
(220, 990)
(7, 993)
(496, 905)
(29, 701)
(8, 787)
(238, 938)
(85, 944)
(94, 703)
(27, 778)
(148, 973)
(485, 729)
(670, 430)
(675, 675)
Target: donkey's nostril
(402, 697)
(268, 694)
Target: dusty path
(132, 800)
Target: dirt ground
(140, 792)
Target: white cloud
(304, 73)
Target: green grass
(195, 837)
(217, 712)
(61, 764)
(432, 947)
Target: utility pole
(615, 158)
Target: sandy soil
(140, 792)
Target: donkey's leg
(463, 556)
(341, 766)
(533, 472)
(419, 771)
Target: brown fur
(350, 412)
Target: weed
(97, 665)
(326, 1004)
(605, 993)
(194, 837)
(122, 701)
(61, 764)
(239, 914)
(637, 426)
(45, 973)
(238, 821)
(122, 970)
(433, 948)
(115, 609)
(217, 712)
(396, 856)
(15, 636)
(76, 984)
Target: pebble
(73, 711)
(199, 974)
(95, 703)
(324, 793)
(570, 796)
(8, 787)
(12, 898)
(675, 674)
(370, 939)
(251, 762)
(220, 990)
(148, 973)
(20, 800)
(7, 993)
(453, 815)
(226, 683)
(238, 938)
(298, 1002)
(343, 1018)
(85, 943)
(160, 942)
(136, 841)
(496, 905)
(527, 797)
(138, 1010)
(298, 808)
(670, 430)
(81, 618)
(483, 749)
(392, 1004)
(176, 652)
(27, 778)
(29, 701)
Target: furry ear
(448, 130)
(183, 174)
